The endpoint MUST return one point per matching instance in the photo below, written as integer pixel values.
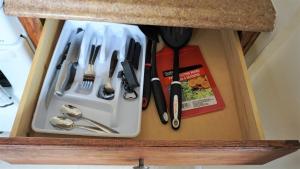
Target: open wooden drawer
(231, 136)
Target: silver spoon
(74, 113)
(68, 124)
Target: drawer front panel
(127, 151)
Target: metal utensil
(89, 74)
(64, 123)
(5, 98)
(107, 91)
(69, 65)
(57, 70)
(74, 113)
(176, 38)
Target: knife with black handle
(147, 77)
(130, 51)
(57, 70)
(69, 65)
(152, 34)
(137, 53)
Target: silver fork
(89, 75)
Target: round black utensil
(176, 38)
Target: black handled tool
(69, 66)
(176, 38)
(147, 77)
(157, 91)
(55, 77)
(130, 51)
(152, 34)
(137, 53)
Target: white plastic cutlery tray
(119, 114)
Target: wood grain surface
(127, 151)
(250, 15)
(248, 39)
(33, 27)
(39, 67)
(249, 117)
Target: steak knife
(69, 65)
(57, 70)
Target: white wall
(275, 75)
(285, 10)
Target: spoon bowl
(64, 123)
(74, 113)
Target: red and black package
(199, 92)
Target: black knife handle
(157, 91)
(147, 86)
(159, 98)
(113, 63)
(147, 76)
(136, 57)
(130, 51)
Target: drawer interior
(222, 52)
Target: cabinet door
(41, 150)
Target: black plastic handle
(92, 54)
(147, 87)
(147, 76)
(159, 100)
(136, 57)
(113, 63)
(157, 91)
(175, 94)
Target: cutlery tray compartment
(221, 49)
(119, 114)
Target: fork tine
(87, 84)
(91, 84)
(84, 84)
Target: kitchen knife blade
(55, 77)
(69, 65)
